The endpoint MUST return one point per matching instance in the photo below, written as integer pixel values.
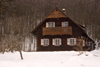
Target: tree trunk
(21, 55)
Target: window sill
(72, 45)
(44, 45)
(56, 45)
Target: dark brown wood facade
(57, 31)
(73, 30)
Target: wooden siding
(57, 31)
(73, 30)
(56, 14)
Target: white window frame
(63, 24)
(43, 42)
(69, 41)
(48, 24)
(56, 41)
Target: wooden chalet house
(58, 32)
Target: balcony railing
(57, 30)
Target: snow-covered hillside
(51, 59)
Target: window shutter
(53, 24)
(74, 41)
(68, 41)
(48, 41)
(47, 24)
(60, 42)
(53, 41)
(67, 24)
(62, 24)
(42, 41)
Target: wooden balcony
(57, 31)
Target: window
(57, 41)
(64, 24)
(50, 24)
(45, 42)
(89, 43)
(71, 41)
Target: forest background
(19, 17)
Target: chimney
(64, 11)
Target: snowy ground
(51, 59)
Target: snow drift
(51, 59)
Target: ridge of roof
(62, 13)
(79, 25)
(48, 15)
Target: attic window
(50, 24)
(64, 24)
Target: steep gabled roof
(57, 13)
